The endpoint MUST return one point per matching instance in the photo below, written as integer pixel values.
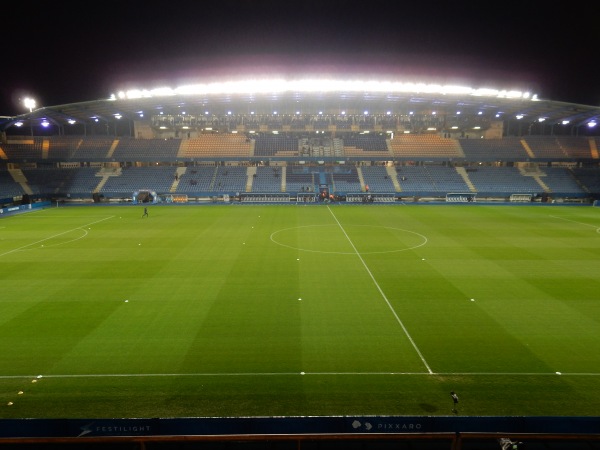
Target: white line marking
(85, 233)
(274, 374)
(274, 233)
(382, 293)
(53, 236)
(579, 223)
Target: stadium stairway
(283, 178)
(536, 175)
(465, 176)
(527, 148)
(20, 178)
(392, 173)
(250, 172)
(178, 174)
(105, 174)
(361, 178)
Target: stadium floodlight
(29, 103)
(265, 86)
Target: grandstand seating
(93, 148)
(26, 149)
(50, 180)
(228, 163)
(267, 179)
(130, 149)
(8, 187)
(560, 180)
(83, 181)
(494, 180)
(299, 181)
(197, 179)
(276, 145)
(378, 179)
(347, 181)
(556, 148)
(588, 178)
(125, 182)
(415, 180)
(230, 179)
(62, 148)
(216, 146)
(419, 146)
(506, 149)
(366, 146)
(447, 179)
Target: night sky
(63, 54)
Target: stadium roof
(378, 100)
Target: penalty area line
(54, 236)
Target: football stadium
(315, 264)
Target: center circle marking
(326, 239)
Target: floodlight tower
(29, 103)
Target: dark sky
(59, 53)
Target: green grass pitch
(238, 310)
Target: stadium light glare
(29, 103)
(265, 86)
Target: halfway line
(382, 293)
